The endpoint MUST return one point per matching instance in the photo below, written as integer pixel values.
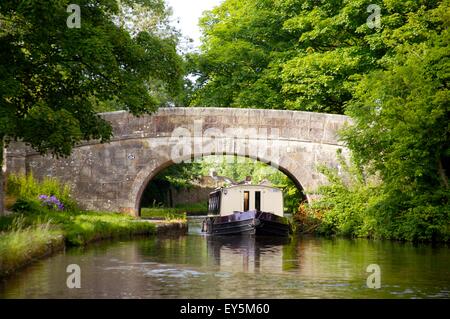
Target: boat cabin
(242, 198)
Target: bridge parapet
(112, 176)
(292, 125)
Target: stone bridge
(112, 176)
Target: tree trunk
(2, 188)
(170, 196)
(442, 173)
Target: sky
(186, 14)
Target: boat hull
(247, 223)
(239, 223)
(268, 224)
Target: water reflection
(195, 266)
(247, 254)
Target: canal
(196, 266)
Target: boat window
(214, 203)
(258, 200)
(246, 201)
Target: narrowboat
(246, 209)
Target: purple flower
(51, 202)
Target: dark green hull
(247, 223)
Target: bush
(28, 189)
(352, 205)
(24, 205)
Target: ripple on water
(120, 268)
(173, 273)
(404, 292)
(222, 274)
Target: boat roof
(244, 186)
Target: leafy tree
(400, 138)
(402, 133)
(298, 54)
(52, 77)
(243, 41)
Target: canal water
(198, 266)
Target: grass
(27, 236)
(80, 227)
(21, 245)
(162, 213)
(200, 208)
(179, 211)
(88, 226)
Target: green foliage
(27, 190)
(162, 213)
(181, 175)
(354, 205)
(409, 104)
(320, 81)
(344, 202)
(179, 211)
(53, 78)
(239, 64)
(31, 235)
(85, 227)
(21, 244)
(25, 205)
(401, 131)
(302, 54)
(193, 208)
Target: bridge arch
(112, 176)
(144, 177)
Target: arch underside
(169, 163)
(294, 165)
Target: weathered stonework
(112, 176)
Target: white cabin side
(239, 198)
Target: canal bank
(198, 266)
(28, 237)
